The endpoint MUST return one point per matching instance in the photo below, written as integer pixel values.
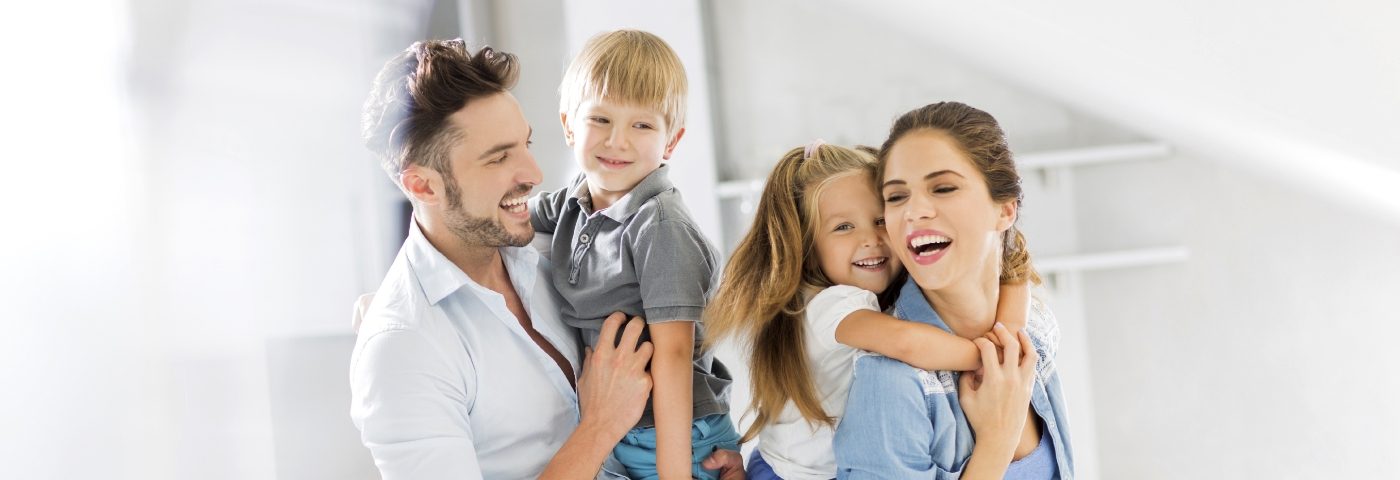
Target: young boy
(624, 241)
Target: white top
(446, 384)
(795, 448)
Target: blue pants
(759, 469)
(637, 450)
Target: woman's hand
(996, 401)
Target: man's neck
(481, 263)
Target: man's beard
(483, 231)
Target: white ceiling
(1306, 89)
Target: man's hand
(729, 463)
(614, 387)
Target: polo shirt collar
(651, 186)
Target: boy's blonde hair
(629, 66)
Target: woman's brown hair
(981, 138)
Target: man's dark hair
(405, 120)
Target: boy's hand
(614, 387)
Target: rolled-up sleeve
(675, 271)
(411, 404)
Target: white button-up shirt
(446, 384)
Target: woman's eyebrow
(930, 176)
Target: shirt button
(583, 238)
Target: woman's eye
(945, 189)
(894, 197)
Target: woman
(951, 196)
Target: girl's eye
(880, 222)
(844, 227)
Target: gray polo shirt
(643, 256)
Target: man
(462, 368)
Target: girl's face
(850, 235)
(944, 223)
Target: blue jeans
(637, 450)
(759, 469)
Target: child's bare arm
(1013, 309)
(923, 346)
(671, 396)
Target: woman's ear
(1006, 215)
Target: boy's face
(617, 145)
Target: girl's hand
(996, 401)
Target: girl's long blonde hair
(762, 295)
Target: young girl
(800, 292)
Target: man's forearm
(582, 455)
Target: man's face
(492, 174)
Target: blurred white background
(1213, 189)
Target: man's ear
(423, 184)
(568, 132)
(1006, 215)
(671, 146)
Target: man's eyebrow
(503, 146)
(930, 176)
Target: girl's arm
(925, 346)
(671, 396)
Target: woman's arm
(925, 346)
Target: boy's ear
(568, 133)
(419, 182)
(671, 146)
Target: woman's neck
(969, 308)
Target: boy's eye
(598, 120)
(644, 126)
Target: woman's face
(850, 235)
(943, 224)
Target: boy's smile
(617, 145)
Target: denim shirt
(903, 422)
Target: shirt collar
(654, 183)
(439, 277)
(911, 305)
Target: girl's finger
(989, 357)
